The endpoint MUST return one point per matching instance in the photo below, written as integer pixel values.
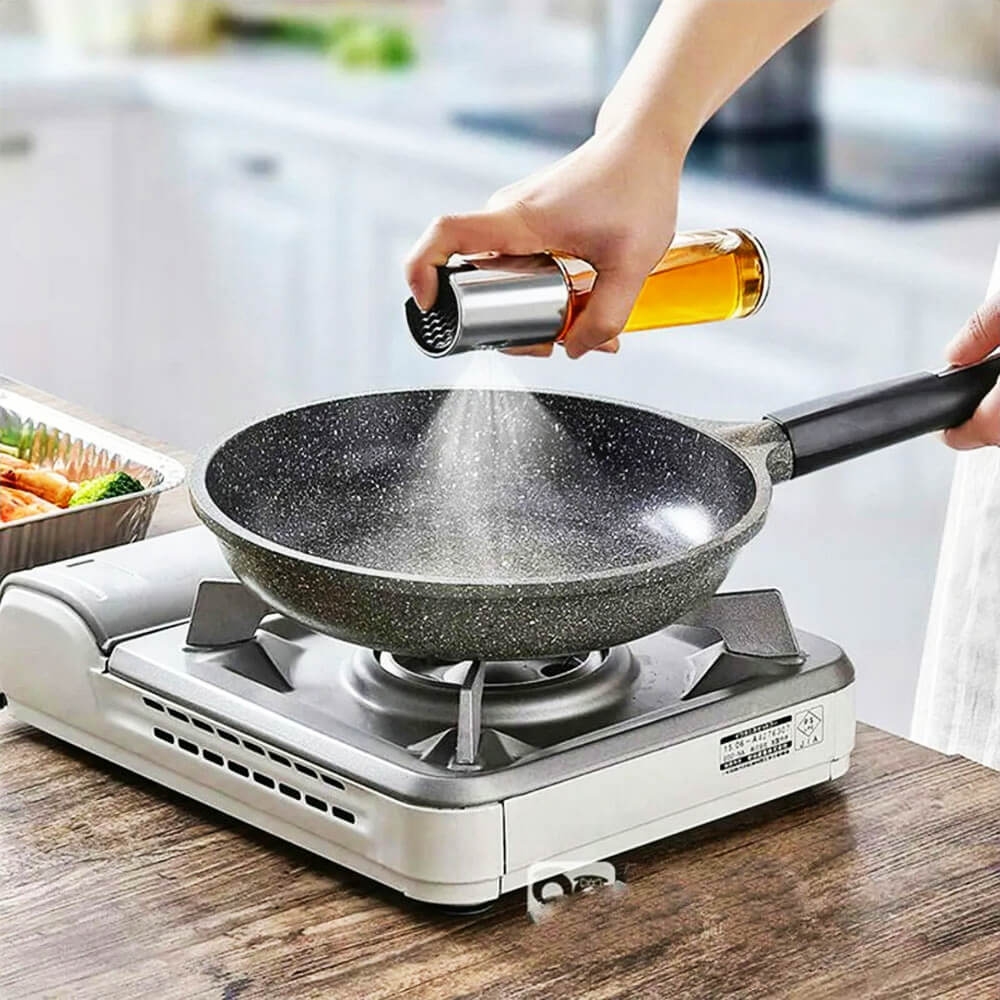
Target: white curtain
(958, 694)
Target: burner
(532, 699)
(496, 673)
(500, 707)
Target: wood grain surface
(883, 884)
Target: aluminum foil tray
(81, 451)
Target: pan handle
(836, 428)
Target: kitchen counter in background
(882, 884)
(197, 241)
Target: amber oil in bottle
(705, 276)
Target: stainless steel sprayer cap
(492, 302)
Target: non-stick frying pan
(503, 523)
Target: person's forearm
(695, 54)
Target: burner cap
(497, 673)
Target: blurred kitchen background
(203, 209)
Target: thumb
(606, 311)
(501, 231)
(979, 336)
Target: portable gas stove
(446, 781)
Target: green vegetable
(342, 27)
(358, 44)
(10, 449)
(115, 484)
(300, 32)
(397, 48)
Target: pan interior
(480, 485)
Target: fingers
(604, 316)
(478, 232)
(531, 351)
(979, 336)
(982, 429)
(545, 350)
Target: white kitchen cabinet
(55, 252)
(231, 282)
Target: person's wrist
(643, 131)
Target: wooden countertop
(885, 883)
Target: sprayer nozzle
(437, 330)
(492, 302)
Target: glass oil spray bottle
(504, 301)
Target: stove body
(448, 782)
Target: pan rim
(747, 525)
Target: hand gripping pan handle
(836, 428)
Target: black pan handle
(836, 428)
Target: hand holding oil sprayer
(521, 301)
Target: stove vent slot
(258, 777)
(237, 740)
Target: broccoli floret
(115, 484)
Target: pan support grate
(467, 746)
(227, 614)
(749, 623)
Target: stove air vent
(265, 778)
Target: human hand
(612, 202)
(978, 338)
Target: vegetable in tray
(26, 490)
(114, 484)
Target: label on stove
(809, 727)
(756, 744)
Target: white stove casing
(55, 673)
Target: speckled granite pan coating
(486, 523)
